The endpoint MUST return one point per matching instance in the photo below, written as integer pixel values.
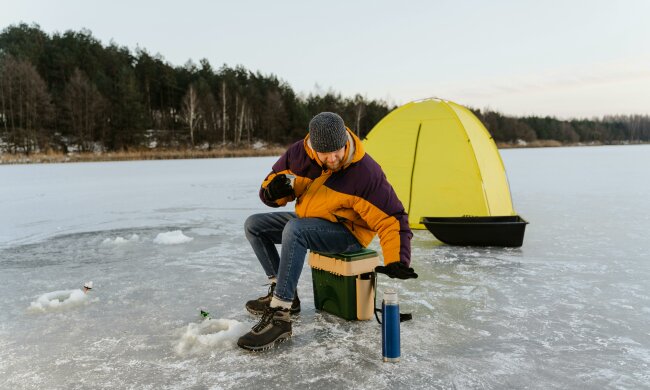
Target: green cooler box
(343, 283)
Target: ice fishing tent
(442, 162)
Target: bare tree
(211, 116)
(5, 101)
(274, 118)
(84, 109)
(190, 111)
(635, 122)
(249, 127)
(360, 112)
(239, 121)
(26, 105)
(224, 116)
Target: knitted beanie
(327, 132)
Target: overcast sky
(562, 58)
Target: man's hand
(397, 270)
(278, 188)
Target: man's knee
(292, 229)
(252, 223)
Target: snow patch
(209, 335)
(63, 299)
(121, 240)
(259, 145)
(172, 238)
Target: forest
(68, 92)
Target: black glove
(278, 188)
(397, 270)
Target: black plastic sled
(478, 231)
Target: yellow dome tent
(441, 161)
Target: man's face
(332, 160)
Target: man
(342, 201)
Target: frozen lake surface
(161, 239)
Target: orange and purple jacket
(356, 195)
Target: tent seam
(478, 166)
(415, 156)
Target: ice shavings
(209, 335)
(121, 240)
(172, 238)
(63, 299)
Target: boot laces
(267, 317)
(271, 289)
(270, 293)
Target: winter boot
(274, 328)
(259, 305)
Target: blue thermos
(390, 327)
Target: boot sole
(259, 313)
(283, 337)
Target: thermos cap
(390, 297)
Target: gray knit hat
(327, 132)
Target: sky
(569, 59)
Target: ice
(172, 238)
(569, 309)
(59, 300)
(210, 335)
(121, 240)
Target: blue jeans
(296, 236)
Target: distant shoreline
(138, 155)
(181, 154)
(551, 143)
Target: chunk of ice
(209, 335)
(56, 300)
(172, 238)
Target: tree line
(611, 129)
(68, 91)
